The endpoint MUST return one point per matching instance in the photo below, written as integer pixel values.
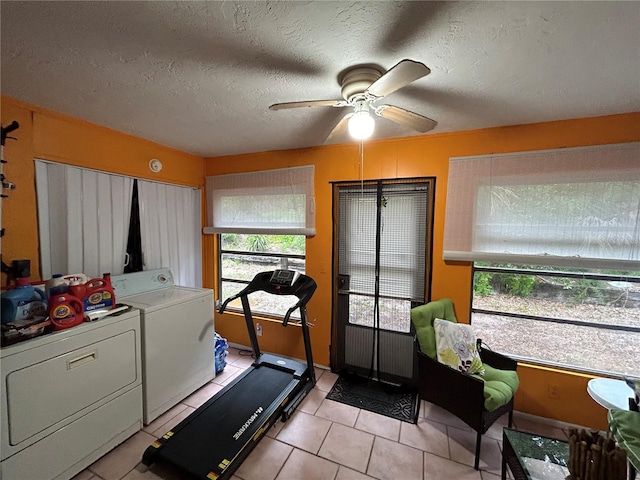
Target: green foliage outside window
(583, 289)
(295, 244)
(520, 285)
(258, 243)
(579, 290)
(292, 243)
(486, 283)
(482, 284)
(229, 240)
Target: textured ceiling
(199, 76)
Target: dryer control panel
(134, 283)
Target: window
(555, 235)
(261, 219)
(582, 319)
(242, 256)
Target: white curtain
(170, 224)
(83, 218)
(270, 202)
(577, 207)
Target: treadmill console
(284, 278)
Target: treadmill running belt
(227, 424)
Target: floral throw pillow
(456, 346)
(635, 386)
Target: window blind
(272, 202)
(83, 219)
(577, 207)
(170, 222)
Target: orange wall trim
(53, 136)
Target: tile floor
(333, 441)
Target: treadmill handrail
(285, 321)
(303, 288)
(226, 302)
(289, 312)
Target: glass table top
(541, 458)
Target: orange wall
(413, 157)
(48, 135)
(52, 136)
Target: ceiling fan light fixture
(362, 86)
(361, 123)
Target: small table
(532, 457)
(610, 393)
(614, 394)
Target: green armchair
(477, 400)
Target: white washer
(177, 336)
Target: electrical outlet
(553, 391)
(258, 329)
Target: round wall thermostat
(155, 165)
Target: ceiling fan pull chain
(361, 148)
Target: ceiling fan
(361, 88)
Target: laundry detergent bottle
(56, 285)
(99, 294)
(22, 302)
(76, 278)
(65, 311)
(78, 289)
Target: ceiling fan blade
(309, 103)
(405, 117)
(403, 73)
(339, 130)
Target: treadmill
(212, 442)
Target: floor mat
(388, 400)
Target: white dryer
(177, 336)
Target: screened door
(382, 258)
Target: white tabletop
(610, 393)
